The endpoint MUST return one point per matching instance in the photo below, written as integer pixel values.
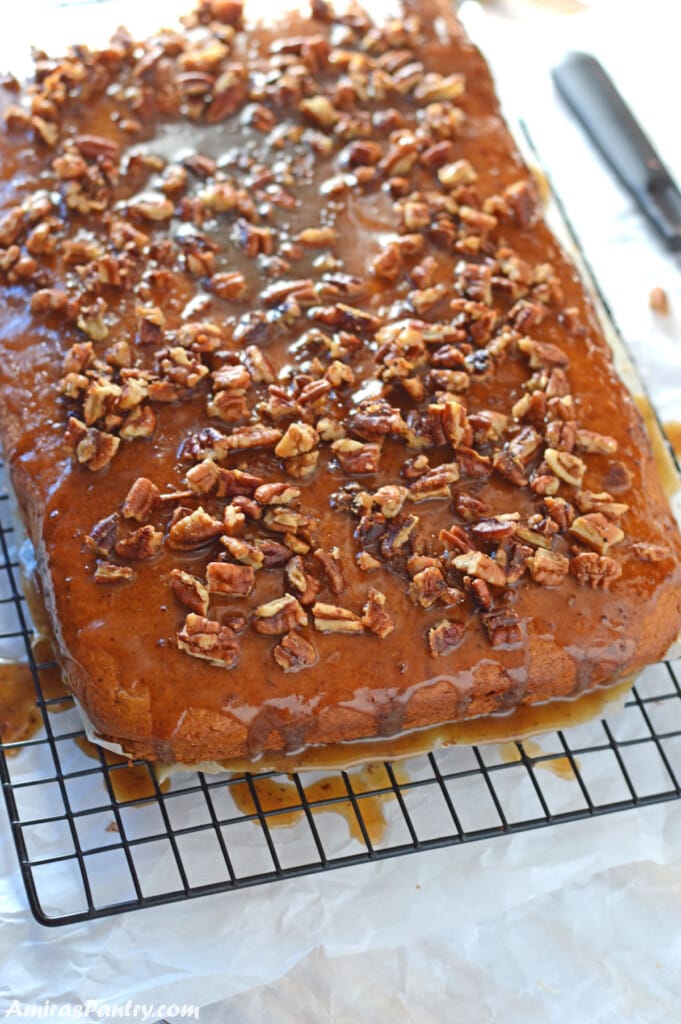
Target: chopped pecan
(389, 499)
(243, 551)
(568, 467)
(140, 545)
(601, 501)
(203, 477)
(320, 110)
(279, 493)
(475, 563)
(427, 586)
(193, 530)
(374, 616)
(189, 591)
(596, 531)
(435, 483)
(542, 353)
(445, 637)
(561, 511)
(495, 529)
(255, 436)
(229, 579)
(590, 441)
(140, 422)
(299, 439)
(330, 563)
(305, 585)
(356, 458)
(294, 652)
(330, 618)
(152, 206)
(594, 570)
(388, 264)
(317, 238)
(210, 641)
(457, 539)
(502, 627)
(141, 500)
(92, 448)
(279, 616)
(470, 508)
(548, 567)
(103, 535)
(367, 562)
(108, 572)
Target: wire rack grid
(86, 853)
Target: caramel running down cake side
(310, 422)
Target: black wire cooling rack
(83, 853)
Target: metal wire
(84, 854)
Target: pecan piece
(107, 572)
(210, 641)
(331, 618)
(374, 616)
(590, 441)
(279, 616)
(294, 652)
(229, 579)
(330, 563)
(305, 586)
(140, 545)
(475, 563)
(435, 483)
(243, 551)
(597, 571)
(502, 627)
(279, 493)
(193, 530)
(299, 439)
(92, 447)
(568, 467)
(445, 637)
(427, 586)
(141, 500)
(189, 591)
(596, 531)
(356, 458)
(548, 567)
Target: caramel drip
(20, 718)
(519, 724)
(273, 795)
(130, 782)
(560, 766)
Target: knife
(593, 98)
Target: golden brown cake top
(304, 404)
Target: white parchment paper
(577, 923)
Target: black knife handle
(593, 98)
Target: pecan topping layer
(430, 373)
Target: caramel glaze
(281, 800)
(161, 704)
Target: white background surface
(579, 923)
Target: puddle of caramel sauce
(673, 432)
(20, 717)
(273, 794)
(519, 724)
(131, 782)
(669, 474)
(559, 766)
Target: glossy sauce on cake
(312, 426)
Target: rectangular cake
(310, 422)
